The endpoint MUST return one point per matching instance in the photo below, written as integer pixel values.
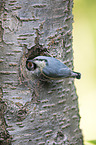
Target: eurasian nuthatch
(51, 68)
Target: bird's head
(32, 64)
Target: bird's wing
(58, 73)
(49, 72)
(64, 72)
(56, 69)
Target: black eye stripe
(41, 59)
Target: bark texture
(37, 112)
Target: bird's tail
(76, 75)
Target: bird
(51, 68)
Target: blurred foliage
(88, 10)
(84, 44)
(92, 142)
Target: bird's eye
(30, 66)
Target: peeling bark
(30, 28)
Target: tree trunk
(37, 111)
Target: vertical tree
(28, 29)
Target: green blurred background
(84, 45)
